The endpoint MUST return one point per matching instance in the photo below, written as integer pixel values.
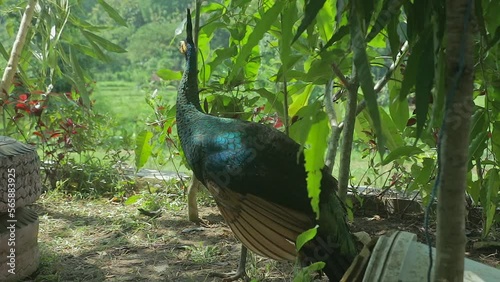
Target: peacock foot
(240, 272)
(200, 222)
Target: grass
(125, 102)
(101, 240)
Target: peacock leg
(240, 272)
(192, 205)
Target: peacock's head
(189, 43)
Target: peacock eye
(183, 47)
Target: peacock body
(256, 175)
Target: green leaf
(132, 199)
(251, 68)
(3, 52)
(305, 237)
(491, 203)
(477, 146)
(272, 99)
(323, 25)
(390, 10)
(317, 266)
(300, 100)
(304, 274)
(79, 77)
(398, 108)
(311, 10)
(404, 151)
(393, 36)
(409, 75)
(290, 61)
(112, 13)
(423, 176)
(338, 35)
(97, 52)
(94, 51)
(363, 126)
(222, 54)
(495, 139)
(480, 20)
(143, 148)
(104, 43)
(474, 190)
(314, 151)
(167, 74)
(262, 26)
(424, 83)
(364, 76)
(288, 17)
(391, 134)
(319, 72)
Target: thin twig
(285, 105)
(341, 76)
(408, 205)
(332, 116)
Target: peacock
(257, 177)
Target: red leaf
(55, 135)
(37, 110)
(17, 116)
(22, 106)
(278, 123)
(257, 110)
(23, 97)
(411, 121)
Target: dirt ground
(83, 240)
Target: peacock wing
(264, 227)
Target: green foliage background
(266, 61)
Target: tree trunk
(454, 145)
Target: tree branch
(349, 120)
(333, 142)
(382, 82)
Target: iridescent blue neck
(188, 98)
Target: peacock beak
(183, 47)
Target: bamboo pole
(15, 55)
